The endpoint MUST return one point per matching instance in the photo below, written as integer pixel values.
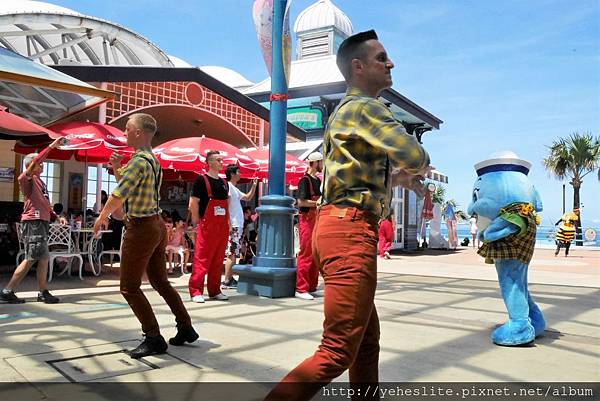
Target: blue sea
(544, 237)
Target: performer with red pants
(309, 191)
(386, 236)
(209, 210)
(366, 153)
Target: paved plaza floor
(436, 308)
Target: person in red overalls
(309, 191)
(209, 210)
(386, 236)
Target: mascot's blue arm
(499, 228)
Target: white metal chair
(111, 252)
(21, 253)
(59, 237)
(181, 256)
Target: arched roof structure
(57, 35)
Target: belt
(370, 216)
(154, 216)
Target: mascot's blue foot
(537, 319)
(514, 332)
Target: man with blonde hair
(35, 225)
(145, 239)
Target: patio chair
(21, 253)
(59, 238)
(111, 252)
(178, 258)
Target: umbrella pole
(85, 176)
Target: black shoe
(184, 335)
(150, 346)
(10, 298)
(232, 283)
(47, 298)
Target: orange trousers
(143, 251)
(345, 250)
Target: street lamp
(272, 273)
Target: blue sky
(508, 74)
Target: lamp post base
(273, 271)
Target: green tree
(573, 158)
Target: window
(108, 184)
(51, 177)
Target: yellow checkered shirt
(137, 186)
(363, 143)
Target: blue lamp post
(273, 271)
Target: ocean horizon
(544, 236)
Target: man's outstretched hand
(413, 182)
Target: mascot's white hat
(504, 160)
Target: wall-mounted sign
(305, 117)
(75, 191)
(7, 174)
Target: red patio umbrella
(87, 142)
(14, 127)
(189, 154)
(294, 167)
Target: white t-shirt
(236, 213)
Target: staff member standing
(363, 145)
(210, 212)
(309, 191)
(236, 221)
(35, 225)
(145, 240)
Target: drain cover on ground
(100, 366)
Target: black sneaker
(10, 298)
(47, 298)
(150, 346)
(184, 335)
(229, 284)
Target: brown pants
(143, 250)
(345, 249)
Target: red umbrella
(294, 167)
(189, 154)
(15, 127)
(87, 142)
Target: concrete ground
(436, 308)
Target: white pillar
(101, 120)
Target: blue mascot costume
(506, 203)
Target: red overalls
(212, 234)
(307, 273)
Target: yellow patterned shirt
(139, 185)
(363, 143)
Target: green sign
(305, 117)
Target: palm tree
(574, 158)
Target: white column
(101, 120)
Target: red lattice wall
(136, 95)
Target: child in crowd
(386, 236)
(177, 244)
